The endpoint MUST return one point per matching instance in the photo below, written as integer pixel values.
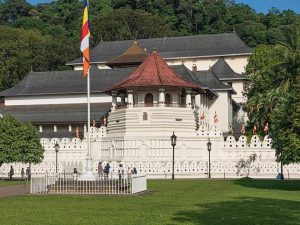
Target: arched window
(168, 99)
(149, 99)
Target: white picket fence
(69, 184)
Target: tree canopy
(273, 96)
(46, 36)
(19, 142)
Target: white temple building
(192, 86)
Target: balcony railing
(138, 105)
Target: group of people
(12, 172)
(104, 172)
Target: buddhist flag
(216, 120)
(85, 33)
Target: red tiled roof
(154, 71)
(134, 55)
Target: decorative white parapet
(153, 155)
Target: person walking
(28, 173)
(22, 173)
(11, 172)
(106, 170)
(121, 172)
(100, 170)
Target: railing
(69, 184)
(176, 105)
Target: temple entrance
(149, 99)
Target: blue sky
(258, 5)
(265, 5)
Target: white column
(55, 128)
(198, 101)
(188, 99)
(114, 101)
(40, 128)
(207, 111)
(161, 97)
(84, 129)
(130, 98)
(201, 103)
(70, 128)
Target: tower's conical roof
(153, 72)
(133, 56)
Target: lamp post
(208, 149)
(56, 147)
(173, 143)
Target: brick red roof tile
(153, 72)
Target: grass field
(171, 202)
(11, 182)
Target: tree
(285, 119)
(124, 24)
(273, 95)
(245, 167)
(19, 142)
(11, 10)
(22, 51)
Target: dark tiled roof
(172, 47)
(66, 82)
(185, 73)
(71, 113)
(224, 72)
(71, 82)
(210, 79)
(206, 79)
(133, 56)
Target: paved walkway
(14, 190)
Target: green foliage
(11, 10)
(273, 96)
(19, 142)
(55, 28)
(122, 24)
(22, 51)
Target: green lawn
(244, 202)
(11, 182)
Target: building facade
(192, 86)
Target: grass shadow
(286, 185)
(242, 211)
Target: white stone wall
(56, 99)
(153, 156)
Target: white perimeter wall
(56, 99)
(153, 156)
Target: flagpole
(88, 175)
(89, 157)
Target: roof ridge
(157, 68)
